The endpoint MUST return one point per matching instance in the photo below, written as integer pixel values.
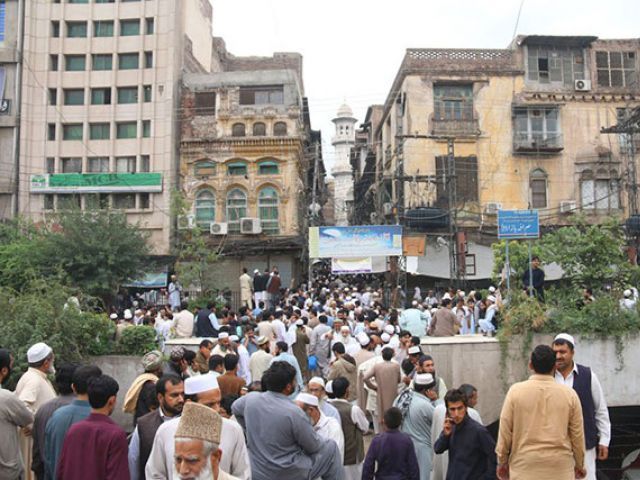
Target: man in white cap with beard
(202, 389)
(197, 445)
(326, 427)
(35, 389)
(316, 388)
(597, 425)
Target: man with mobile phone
(470, 446)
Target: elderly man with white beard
(204, 390)
(197, 445)
(326, 427)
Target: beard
(205, 474)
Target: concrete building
(525, 126)
(343, 142)
(247, 163)
(11, 26)
(101, 105)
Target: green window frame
(204, 168)
(103, 28)
(128, 94)
(126, 130)
(236, 168)
(100, 61)
(73, 96)
(130, 28)
(72, 131)
(269, 211)
(75, 63)
(236, 209)
(128, 61)
(205, 208)
(77, 1)
(268, 167)
(76, 29)
(99, 131)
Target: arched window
(205, 207)
(236, 209)
(280, 129)
(259, 129)
(268, 211)
(538, 188)
(237, 168)
(600, 191)
(268, 167)
(238, 130)
(204, 168)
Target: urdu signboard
(96, 182)
(355, 242)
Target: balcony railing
(456, 127)
(530, 143)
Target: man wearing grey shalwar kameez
(417, 414)
(281, 441)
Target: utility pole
(452, 192)
(313, 212)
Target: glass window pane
(148, 59)
(72, 131)
(126, 130)
(587, 191)
(98, 164)
(102, 62)
(145, 163)
(103, 28)
(124, 200)
(127, 94)
(147, 90)
(236, 209)
(74, 96)
(99, 131)
(149, 26)
(146, 128)
(76, 29)
(205, 208)
(145, 201)
(268, 210)
(101, 96)
(204, 169)
(75, 63)
(268, 168)
(128, 61)
(129, 27)
(126, 164)
(72, 165)
(280, 129)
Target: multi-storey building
(523, 126)
(11, 25)
(343, 141)
(101, 104)
(247, 163)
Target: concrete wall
(477, 361)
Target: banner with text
(355, 242)
(351, 265)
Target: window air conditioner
(186, 222)
(568, 206)
(492, 208)
(582, 85)
(250, 226)
(218, 228)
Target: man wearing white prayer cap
(35, 389)
(326, 427)
(197, 445)
(316, 388)
(202, 389)
(224, 345)
(597, 425)
(417, 408)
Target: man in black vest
(170, 392)
(205, 323)
(597, 426)
(354, 426)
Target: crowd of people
(290, 386)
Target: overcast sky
(353, 48)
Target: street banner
(355, 242)
(351, 265)
(96, 182)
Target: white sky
(353, 48)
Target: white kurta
(329, 428)
(235, 458)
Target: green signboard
(96, 182)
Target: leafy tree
(98, 250)
(518, 258)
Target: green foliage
(39, 314)
(518, 258)
(137, 341)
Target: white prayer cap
(317, 381)
(223, 335)
(262, 340)
(414, 350)
(627, 293)
(234, 338)
(491, 299)
(414, 303)
(200, 383)
(424, 379)
(329, 387)
(389, 329)
(345, 328)
(256, 271)
(299, 322)
(127, 314)
(38, 352)
(385, 337)
(307, 399)
(363, 339)
(566, 337)
(492, 289)
(113, 316)
(447, 296)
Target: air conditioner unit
(568, 206)
(250, 226)
(582, 85)
(186, 222)
(387, 208)
(492, 208)
(218, 228)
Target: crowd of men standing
(289, 390)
